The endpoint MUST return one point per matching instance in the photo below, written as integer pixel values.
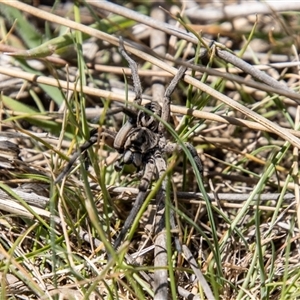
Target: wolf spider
(141, 141)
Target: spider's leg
(160, 241)
(167, 97)
(132, 120)
(172, 147)
(134, 70)
(160, 200)
(108, 139)
(196, 157)
(149, 172)
(161, 167)
(169, 149)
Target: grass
(239, 223)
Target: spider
(141, 141)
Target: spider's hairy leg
(167, 97)
(148, 174)
(196, 157)
(132, 120)
(134, 70)
(108, 138)
(161, 167)
(172, 147)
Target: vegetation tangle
(149, 150)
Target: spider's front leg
(167, 98)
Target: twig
(140, 18)
(133, 15)
(30, 198)
(228, 57)
(198, 196)
(41, 201)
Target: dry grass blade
(178, 32)
(189, 257)
(203, 87)
(118, 97)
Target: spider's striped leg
(108, 137)
(161, 167)
(165, 115)
(160, 249)
(148, 174)
(134, 70)
(196, 157)
(132, 113)
(160, 200)
(173, 147)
